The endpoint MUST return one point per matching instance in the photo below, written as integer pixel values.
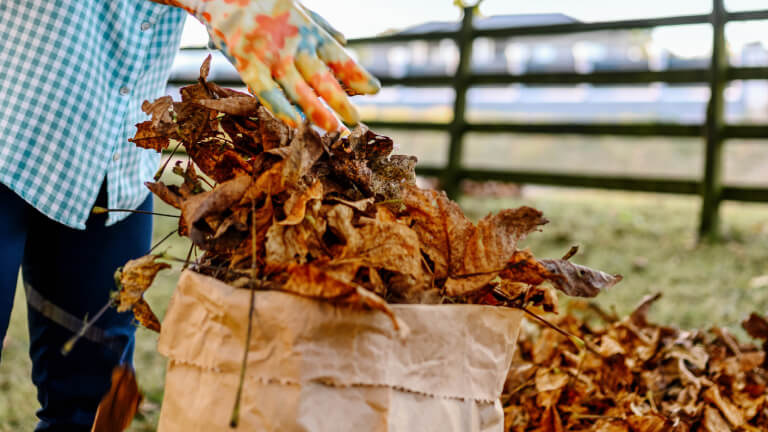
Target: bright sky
(359, 18)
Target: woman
(73, 75)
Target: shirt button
(116, 156)
(124, 90)
(145, 26)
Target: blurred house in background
(582, 53)
(621, 50)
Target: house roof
(493, 22)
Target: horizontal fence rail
(714, 131)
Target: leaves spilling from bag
(334, 218)
(642, 377)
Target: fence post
(451, 178)
(711, 188)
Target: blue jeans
(72, 270)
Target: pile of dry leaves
(634, 376)
(333, 218)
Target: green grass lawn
(650, 239)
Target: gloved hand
(279, 44)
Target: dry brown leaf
(161, 111)
(610, 346)
(524, 268)
(439, 224)
(146, 137)
(197, 208)
(145, 316)
(295, 207)
(726, 407)
(387, 245)
(713, 421)
(756, 326)
(550, 422)
(205, 68)
(610, 426)
(490, 245)
(311, 280)
(269, 182)
(646, 378)
(648, 423)
(233, 105)
(578, 280)
(305, 149)
(274, 133)
(134, 279)
(121, 403)
(458, 249)
(547, 380)
(287, 244)
(640, 315)
(339, 218)
(162, 191)
(362, 205)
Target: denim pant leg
(13, 235)
(74, 270)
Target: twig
(261, 284)
(578, 368)
(604, 315)
(161, 241)
(70, 344)
(202, 179)
(161, 170)
(235, 418)
(579, 342)
(189, 255)
(520, 387)
(431, 272)
(102, 210)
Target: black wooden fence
(714, 131)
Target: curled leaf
(197, 208)
(165, 193)
(234, 105)
(134, 279)
(577, 280)
(311, 280)
(296, 205)
(146, 137)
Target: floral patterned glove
(281, 48)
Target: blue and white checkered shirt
(73, 75)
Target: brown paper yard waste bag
(313, 366)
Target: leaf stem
(102, 210)
(235, 418)
(167, 236)
(70, 344)
(189, 255)
(577, 341)
(161, 170)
